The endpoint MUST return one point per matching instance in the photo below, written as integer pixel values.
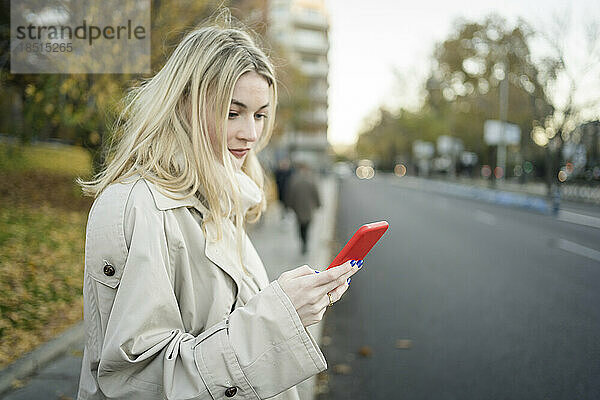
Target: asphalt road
(488, 302)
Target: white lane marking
(485, 218)
(580, 219)
(578, 249)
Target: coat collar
(165, 199)
(219, 252)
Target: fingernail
(352, 262)
(360, 264)
(348, 280)
(316, 271)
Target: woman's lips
(238, 154)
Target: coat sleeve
(148, 354)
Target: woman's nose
(249, 133)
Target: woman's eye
(232, 114)
(261, 116)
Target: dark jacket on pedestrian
(302, 195)
(282, 178)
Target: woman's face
(248, 111)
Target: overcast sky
(369, 40)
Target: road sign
(468, 158)
(448, 145)
(494, 134)
(423, 150)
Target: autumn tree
(570, 77)
(462, 92)
(469, 67)
(80, 108)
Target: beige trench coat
(170, 315)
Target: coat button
(230, 392)
(109, 270)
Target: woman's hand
(307, 289)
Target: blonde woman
(177, 303)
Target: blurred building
(301, 28)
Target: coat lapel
(218, 252)
(223, 253)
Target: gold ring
(330, 299)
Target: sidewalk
(502, 194)
(570, 192)
(52, 371)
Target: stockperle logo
(83, 36)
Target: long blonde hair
(161, 133)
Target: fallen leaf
(342, 369)
(76, 353)
(403, 344)
(321, 388)
(365, 351)
(17, 383)
(323, 376)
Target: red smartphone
(360, 243)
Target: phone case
(360, 243)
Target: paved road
(497, 303)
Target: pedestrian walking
(177, 303)
(282, 176)
(302, 196)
